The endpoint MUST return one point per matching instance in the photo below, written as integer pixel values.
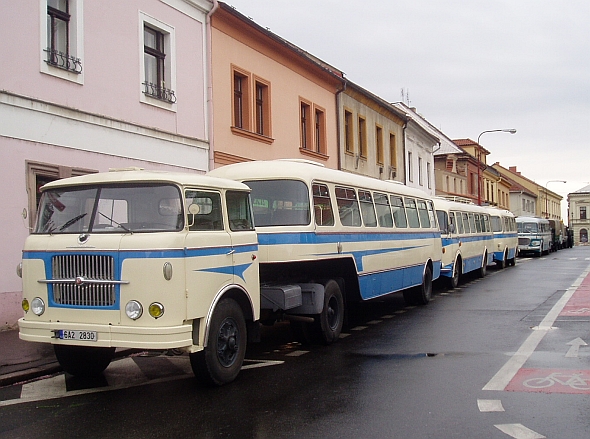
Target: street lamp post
(478, 156)
(547, 195)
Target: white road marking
(359, 328)
(296, 353)
(513, 365)
(374, 322)
(519, 431)
(490, 405)
(263, 363)
(575, 347)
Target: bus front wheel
(221, 360)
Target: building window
(392, 156)
(410, 168)
(39, 174)
(62, 39)
(379, 144)
(428, 176)
(362, 137)
(305, 126)
(154, 63)
(348, 132)
(240, 99)
(312, 128)
(420, 172)
(158, 62)
(262, 106)
(320, 131)
(583, 212)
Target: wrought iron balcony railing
(63, 61)
(161, 93)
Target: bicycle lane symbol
(551, 381)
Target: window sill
(253, 136)
(314, 154)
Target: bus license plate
(78, 335)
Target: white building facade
(87, 86)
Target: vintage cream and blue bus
(534, 235)
(146, 260)
(467, 239)
(343, 237)
(505, 243)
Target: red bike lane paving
(579, 303)
(552, 380)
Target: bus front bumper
(167, 337)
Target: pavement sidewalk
(23, 360)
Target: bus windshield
(110, 209)
(528, 228)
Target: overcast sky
(467, 66)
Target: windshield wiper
(113, 221)
(72, 221)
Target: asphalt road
(490, 359)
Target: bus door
(208, 250)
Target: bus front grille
(86, 280)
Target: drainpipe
(404, 152)
(338, 124)
(209, 73)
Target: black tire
(221, 360)
(83, 361)
(483, 270)
(502, 264)
(331, 318)
(456, 277)
(422, 294)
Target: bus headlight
(37, 306)
(156, 310)
(19, 270)
(133, 309)
(25, 305)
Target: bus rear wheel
(83, 361)
(221, 360)
(483, 270)
(332, 316)
(422, 294)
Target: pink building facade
(88, 86)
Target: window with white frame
(62, 38)
(158, 62)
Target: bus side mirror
(193, 210)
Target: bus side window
(458, 223)
(452, 223)
(383, 210)
(423, 214)
(322, 205)
(208, 212)
(367, 209)
(399, 213)
(431, 214)
(466, 226)
(238, 211)
(486, 224)
(348, 207)
(443, 221)
(472, 225)
(412, 212)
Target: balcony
(63, 61)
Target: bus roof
(142, 176)
(531, 219)
(308, 171)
